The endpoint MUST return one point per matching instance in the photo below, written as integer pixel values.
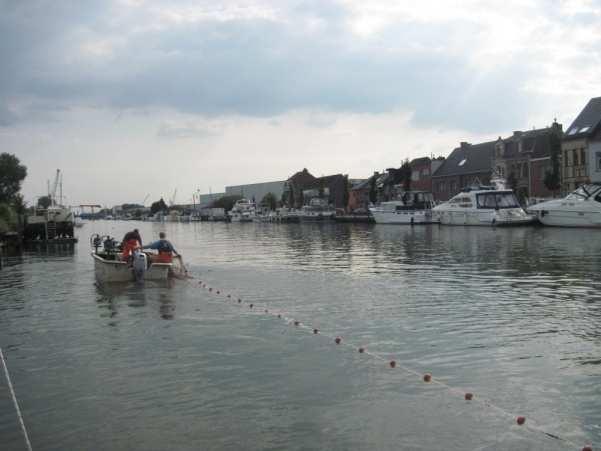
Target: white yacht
(581, 208)
(414, 207)
(243, 210)
(317, 210)
(482, 205)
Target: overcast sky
(131, 98)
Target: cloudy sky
(131, 98)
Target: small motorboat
(109, 265)
(581, 208)
(484, 206)
(412, 207)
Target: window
(462, 162)
(497, 200)
(576, 159)
(566, 159)
(585, 129)
(453, 186)
(525, 170)
(598, 161)
(573, 131)
(583, 157)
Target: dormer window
(462, 162)
(573, 131)
(584, 129)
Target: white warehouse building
(256, 191)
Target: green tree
(512, 181)
(552, 178)
(406, 175)
(44, 202)
(226, 202)
(12, 173)
(8, 218)
(270, 201)
(157, 206)
(373, 193)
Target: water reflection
(111, 297)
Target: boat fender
(543, 213)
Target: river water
(511, 315)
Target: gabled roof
(587, 122)
(419, 161)
(468, 159)
(536, 142)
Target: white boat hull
(404, 217)
(566, 218)
(509, 217)
(120, 271)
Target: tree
(373, 193)
(270, 201)
(406, 175)
(44, 202)
(226, 202)
(157, 206)
(552, 178)
(12, 174)
(512, 181)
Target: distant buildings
(302, 186)
(256, 191)
(581, 148)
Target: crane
(52, 192)
(145, 199)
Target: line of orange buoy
(426, 377)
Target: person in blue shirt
(164, 247)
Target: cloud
(457, 67)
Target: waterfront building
(301, 187)
(525, 158)
(581, 148)
(256, 191)
(421, 172)
(468, 164)
(358, 199)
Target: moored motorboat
(243, 210)
(483, 206)
(413, 207)
(581, 208)
(317, 210)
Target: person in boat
(165, 249)
(131, 241)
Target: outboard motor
(139, 265)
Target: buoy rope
(426, 377)
(12, 392)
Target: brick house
(421, 172)
(466, 165)
(524, 159)
(358, 199)
(302, 186)
(581, 148)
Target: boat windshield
(584, 192)
(497, 200)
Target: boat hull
(566, 218)
(483, 218)
(119, 271)
(404, 217)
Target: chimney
(465, 145)
(517, 134)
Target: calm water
(512, 315)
